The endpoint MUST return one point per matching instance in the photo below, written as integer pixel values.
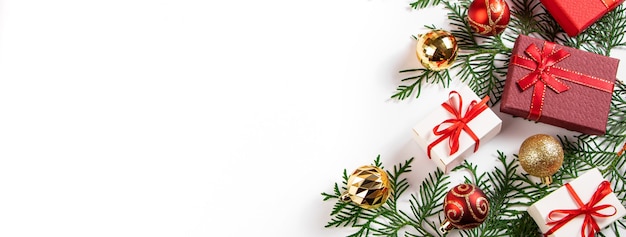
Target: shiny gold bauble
(368, 187)
(541, 155)
(436, 50)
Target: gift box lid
(575, 16)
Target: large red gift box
(559, 85)
(574, 16)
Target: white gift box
(486, 126)
(584, 186)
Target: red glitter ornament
(465, 207)
(488, 17)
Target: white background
(205, 118)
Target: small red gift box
(558, 85)
(574, 16)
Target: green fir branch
(529, 17)
(603, 36)
(482, 64)
(484, 73)
(385, 220)
(524, 226)
(420, 4)
(417, 81)
(428, 204)
(482, 61)
(388, 220)
(548, 29)
(503, 191)
(525, 19)
(586, 152)
(531, 190)
(378, 163)
(582, 155)
(343, 214)
(400, 184)
(462, 31)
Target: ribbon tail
(555, 84)
(528, 80)
(555, 57)
(590, 224)
(433, 144)
(560, 223)
(533, 52)
(453, 143)
(476, 109)
(473, 136)
(536, 104)
(547, 49)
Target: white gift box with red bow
(485, 126)
(561, 207)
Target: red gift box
(559, 85)
(574, 16)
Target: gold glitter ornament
(368, 187)
(541, 155)
(436, 50)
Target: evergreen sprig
(506, 196)
(482, 64)
(525, 19)
(601, 37)
(419, 4)
(507, 186)
(427, 205)
(422, 76)
(386, 220)
(482, 61)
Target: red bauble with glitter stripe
(488, 17)
(465, 207)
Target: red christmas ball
(488, 17)
(465, 207)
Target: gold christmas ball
(368, 187)
(541, 155)
(436, 50)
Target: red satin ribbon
(458, 123)
(609, 3)
(590, 210)
(544, 74)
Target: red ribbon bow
(590, 210)
(544, 73)
(459, 123)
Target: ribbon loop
(545, 74)
(589, 210)
(458, 123)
